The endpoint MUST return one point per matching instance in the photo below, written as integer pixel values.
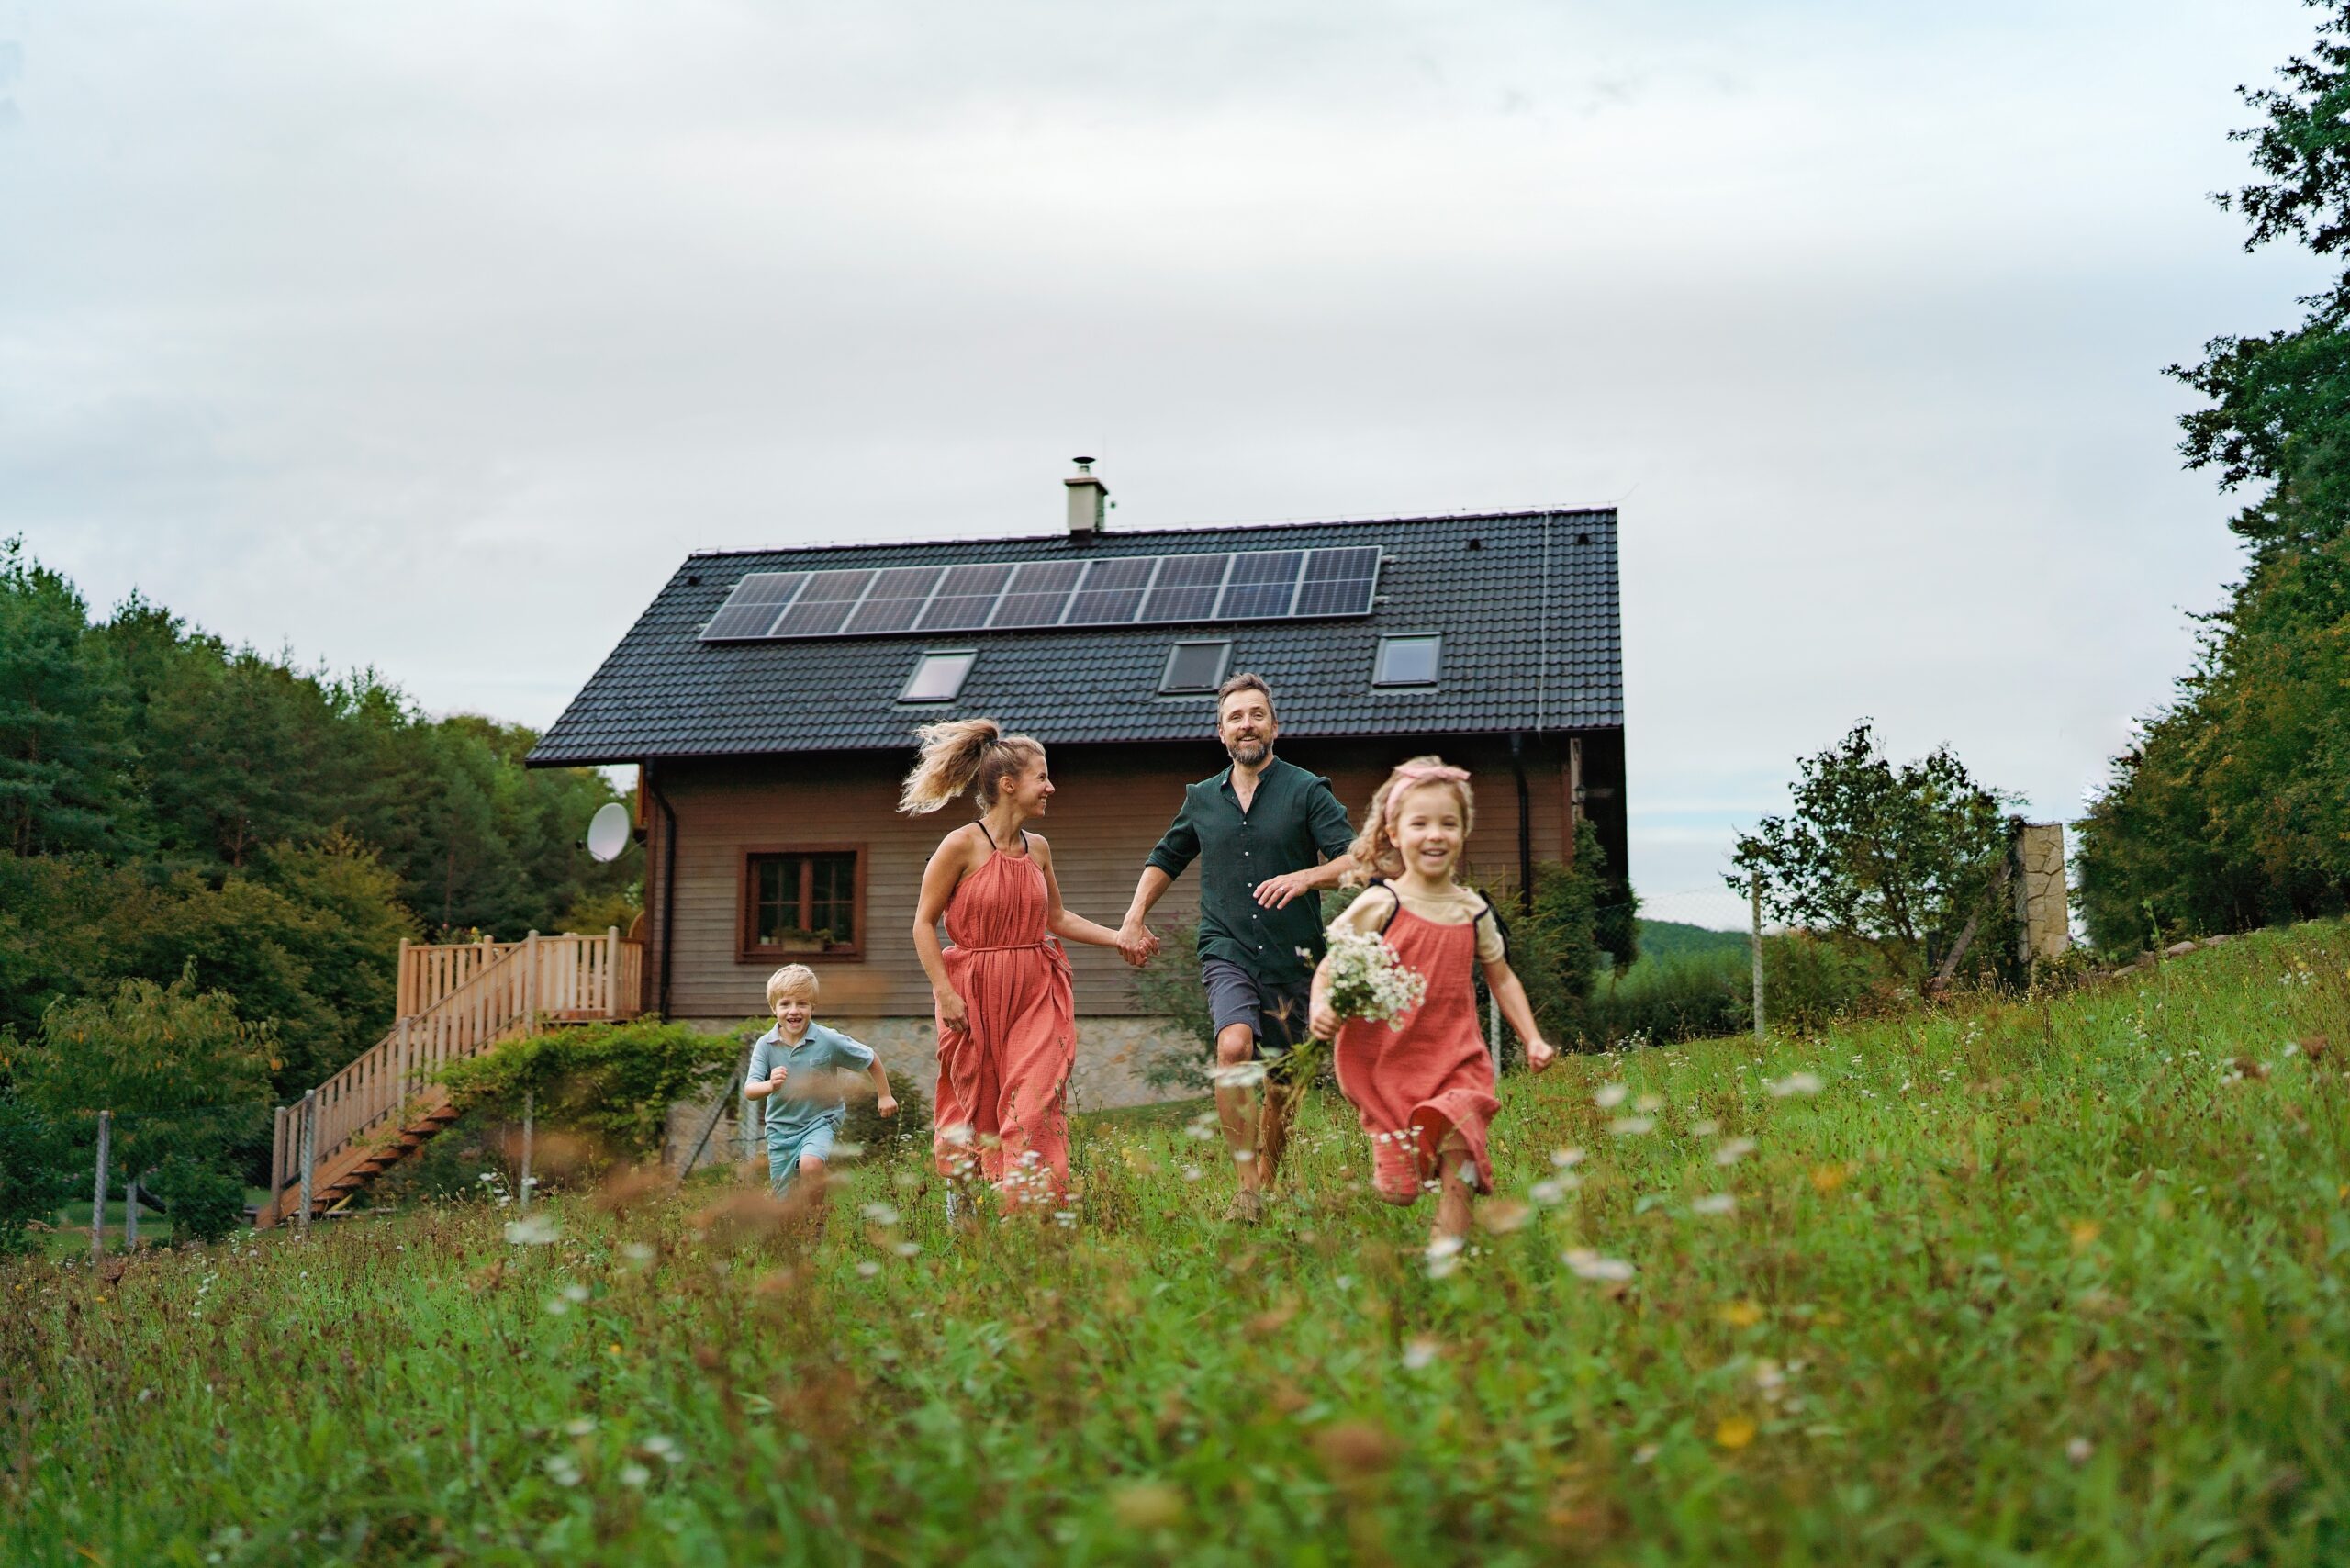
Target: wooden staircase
(455, 1001)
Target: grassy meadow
(2021, 1279)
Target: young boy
(796, 1068)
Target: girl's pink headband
(1410, 776)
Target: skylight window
(1195, 666)
(1407, 661)
(938, 675)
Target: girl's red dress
(1003, 1079)
(1429, 1077)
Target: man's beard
(1249, 754)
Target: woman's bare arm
(949, 863)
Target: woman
(1007, 1023)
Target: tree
(2233, 808)
(1908, 857)
(180, 1070)
(64, 758)
(35, 1174)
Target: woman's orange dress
(1004, 1079)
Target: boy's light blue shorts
(785, 1154)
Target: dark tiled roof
(1532, 641)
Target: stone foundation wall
(1112, 1054)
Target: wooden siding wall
(1111, 805)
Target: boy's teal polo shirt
(811, 1095)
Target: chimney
(1088, 499)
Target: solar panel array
(1126, 590)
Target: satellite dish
(608, 832)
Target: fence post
(98, 1203)
(1755, 887)
(401, 990)
(130, 1215)
(1494, 1029)
(530, 982)
(611, 1008)
(528, 1103)
(310, 1152)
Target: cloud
(430, 337)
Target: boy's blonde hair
(792, 979)
(1374, 849)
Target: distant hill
(1674, 939)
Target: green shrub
(609, 1085)
(36, 1173)
(205, 1204)
(1169, 987)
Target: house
(769, 698)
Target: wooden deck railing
(455, 1002)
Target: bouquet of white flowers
(1368, 980)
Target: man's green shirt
(1293, 822)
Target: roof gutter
(668, 879)
(1524, 824)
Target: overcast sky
(430, 337)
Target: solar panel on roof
(966, 598)
(823, 604)
(1186, 587)
(753, 605)
(1112, 592)
(1261, 585)
(1038, 594)
(896, 597)
(1338, 582)
(1123, 590)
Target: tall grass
(2022, 1279)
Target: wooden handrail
(456, 1000)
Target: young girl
(1007, 1025)
(1425, 1087)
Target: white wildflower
(1609, 1095)
(1420, 1352)
(1632, 1127)
(534, 1230)
(1713, 1203)
(1589, 1265)
(1367, 981)
(1705, 1128)
(1795, 1083)
(635, 1476)
(1237, 1074)
(1649, 1103)
(1566, 1159)
(880, 1213)
(1734, 1150)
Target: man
(1258, 829)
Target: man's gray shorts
(1276, 1013)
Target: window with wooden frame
(801, 901)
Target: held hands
(1137, 944)
(1276, 892)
